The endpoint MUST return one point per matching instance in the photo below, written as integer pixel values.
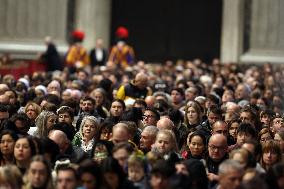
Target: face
(176, 97)
(212, 118)
(269, 158)
(265, 119)
(22, 150)
(66, 180)
(65, 117)
(105, 134)
(7, 145)
(111, 179)
(277, 124)
(146, 140)
(230, 180)
(246, 117)
(51, 120)
(163, 143)
(116, 109)
(233, 129)
(37, 174)
(196, 146)
(280, 141)
(149, 118)
(220, 128)
(100, 153)
(192, 115)
(240, 92)
(88, 181)
(135, 173)
(99, 98)
(31, 112)
(89, 129)
(181, 169)
(242, 138)
(12, 97)
(87, 106)
(265, 138)
(121, 155)
(217, 149)
(228, 96)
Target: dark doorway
(170, 29)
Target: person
(67, 178)
(279, 138)
(99, 95)
(217, 153)
(114, 176)
(138, 88)
(271, 154)
(24, 150)
(8, 139)
(177, 95)
(122, 54)
(221, 127)
(264, 136)
(38, 174)
(147, 138)
(193, 114)
(10, 177)
(244, 157)
(196, 144)
(105, 132)
(73, 153)
(32, 110)
(87, 135)
(98, 55)
(150, 117)
(277, 124)
(65, 114)
(233, 127)
(101, 150)
(77, 56)
(116, 110)
(230, 174)
(44, 122)
(90, 175)
(121, 153)
(51, 57)
(120, 133)
(137, 169)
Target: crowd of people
(184, 124)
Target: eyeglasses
(148, 116)
(219, 148)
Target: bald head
(217, 147)
(232, 107)
(165, 123)
(60, 138)
(220, 127)
(120, 133)
(150, 101)
(141, 80)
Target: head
(67, 178)
(60, 138)
(148, 137)
(10, 177)
(121, 153)
(271, 154)
(217, 147)
(98, 95)
(214, 114)
(8, 139)
(165, 142)
(141, 81)
(120, 133)
(65, 114)
(89, 128)
(245, 132)
(32, 110)
(89, 174)
(44, 123)
(193, 113)
(165, 123)
(137, 167)
(220, 127)
(244, 157)
(177, 95)
(264, 136)
(196, 143)
(88, 105)
(230, 174)
(117, 108)
(150, 117)
(233, 127)
(24, 150)
(101, 150)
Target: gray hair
(228, 165)
(93, 119)
(153, 130)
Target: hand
(212, 177)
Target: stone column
(232, 30)
(94, 18)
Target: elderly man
(148, 137)
(165, 123)
(135, 89)
(120, 133)
(230, 174)
(221, 127)
(217, 153)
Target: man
(65, 114)
(165, 123)
(150, 117)
(98, 55)
(66, 149)
(242, 92)
(66, 178)
(221, 127)
(177, 96)
(148, 137)
(135, 89)
(217, 153)
(150, 101)
(121, 153)
(277, 124)
(116, 110)
(230, 174)
(120, 133)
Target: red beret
(121, 32)
(78, 34)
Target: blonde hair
(11, 175)
(172, 136)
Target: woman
(264, 136)
(24, 150)
(271, 154)
(7, 142)
(196, 144)
(165, 143)
(44, 123)
(193, 114)
(101, 150)
(99, 96)
(32, 110)
(10, 177)
(233, 128)
(38, 174)
(279, 138)
(87, 134)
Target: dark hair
(179, 90)
(91, 167)
(31, 144)
(50, 147)
(123, 145)
(163, 168)
(175, 115)
(133, 114)
(3, 108)
(257, 148)
(275, 173)
(157, 115)
(111, 165)
(140, 102)
(87, 98)
(66, 128)
(68, 168)
(215, 110)
(66, 109)
(248, 129)
(121, 102)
